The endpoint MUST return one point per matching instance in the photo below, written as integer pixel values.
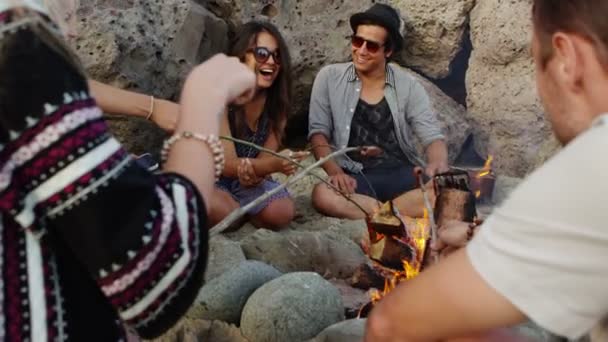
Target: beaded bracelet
(211, 140)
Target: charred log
(386, 221)
(391, 252)
(372, 275)
(364, 311)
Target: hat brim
(359, 18)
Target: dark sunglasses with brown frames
(262, 54)
(372, 46)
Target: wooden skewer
(240, 212)
(431, 213)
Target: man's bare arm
(448, 300)
(437, 158)
(322, 149)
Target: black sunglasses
(262, 54)
(372, 46)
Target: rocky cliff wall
(150, 45)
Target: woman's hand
(288, 168)
(165, 114)
(223, 76)
(207, 91)
(246, 174)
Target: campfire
(398, 249)
(399, 245)
(482, 181)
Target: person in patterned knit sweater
(91, 244)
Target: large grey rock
(502, 102)
(224, 297)
(294, 307)
(452, 116)
(146, 46)
(318, 31)
(433, 33)
(194, 330)
(224, 255)
(548, 149)
(327, 253)
(353, 298)
(351, 330)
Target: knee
(322, 198)
(278, 214)
(220, 205)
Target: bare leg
(220, 206)
(330, 203)
(278, 214)
(411, 203)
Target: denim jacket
(334, 98)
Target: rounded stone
(294, 307)
(351, 330)
(224, 297)
(224, 255)
(328, 253)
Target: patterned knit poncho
(90, 243)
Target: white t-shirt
(546, 248)
(34, 4)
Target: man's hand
(437, 158)
(247, 175)
(165, 114)
(344, 182)
(452, 235)
(435, 168)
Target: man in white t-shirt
(543, 255)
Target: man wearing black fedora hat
(371, 102)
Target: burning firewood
(401, 245)
(386, 221)
(390, 252)
(372, 275)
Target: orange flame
(419, 237)
(488, 163)
(487, 167)
(419, 234)
(477, 194)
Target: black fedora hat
(381, 15)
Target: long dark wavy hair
(279, 95)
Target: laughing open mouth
(267, 72)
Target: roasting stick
(431, 214)
(242, 211)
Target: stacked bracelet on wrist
(211, 140)
(151, 108)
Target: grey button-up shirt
(336, 92)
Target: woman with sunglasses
(260, 46)
(90, 242)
